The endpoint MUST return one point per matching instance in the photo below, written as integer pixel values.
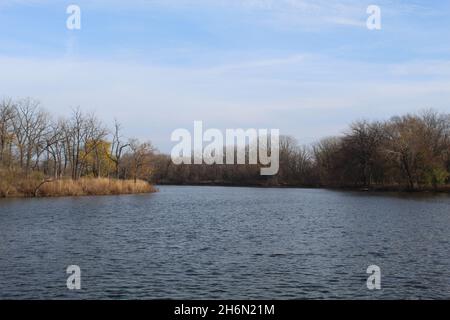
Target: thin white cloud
(433, 68)
(258, 64)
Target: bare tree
(117, 148)
(55, 148)
(140, 158)
(30, 124)
(360, 149)
(82, 135)
(7, 115)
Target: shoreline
(375, 189)
(29, 188)
(109, 187)
(78, 196)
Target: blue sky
(306, 67)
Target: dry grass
(93, 187)
(30, 187)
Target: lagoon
(223, 243)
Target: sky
(308, 68)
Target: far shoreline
(374, 189)
(101, 187)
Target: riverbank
(373, 188)
(27, 188)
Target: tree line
(33, 143)
(405, 152)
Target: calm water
(212, 242)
